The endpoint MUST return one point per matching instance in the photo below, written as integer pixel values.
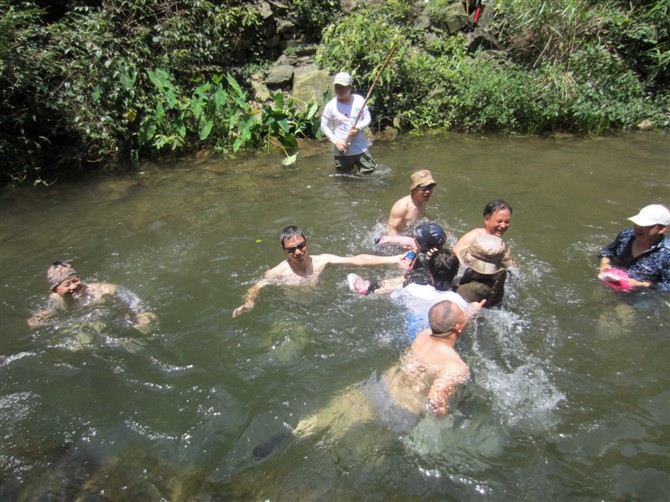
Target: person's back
(475, 287)
(485, 275)
(431, 370)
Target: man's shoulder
(626, 234)
(324, 259)
(403, 202)
(278, 270)
(104, 288)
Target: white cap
(655, 214)
(342, 78)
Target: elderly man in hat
(69, 292)
(338, 123)
(639, 257)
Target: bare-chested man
(300, 267)
(69, 292)
(422, 382)
(413, 206)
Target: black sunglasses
(426, 188)
(291, 249)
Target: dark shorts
(364, 161)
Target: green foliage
(73, 91)
(567, 73)
(314, 15)
(638, 31)
(218, 113)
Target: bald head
(446, 318)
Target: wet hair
(443, 267)
(443, 317)
(496, 205)
(290, 231)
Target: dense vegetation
(92, 81)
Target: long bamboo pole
(374, 83)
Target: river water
(569, 396)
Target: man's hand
(637, 284)
(605, 263)
(341, 146)
(39, 319)
(144, 322)
(245, 307)
(474, 307)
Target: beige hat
(485, 255)
(655, 214)
(422, 178)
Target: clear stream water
(569, 396)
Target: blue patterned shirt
(653, 265)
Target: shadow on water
(568, 396)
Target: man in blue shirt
(643, 251)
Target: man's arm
(364, 260)
(605, 263)
(609, 252)
(40, 318)
(446, 385)
(250, 297)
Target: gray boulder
(310, 83)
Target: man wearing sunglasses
(300, 267)
(410, 208)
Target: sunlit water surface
(569, 396)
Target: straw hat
(485, 255)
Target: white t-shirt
(419, 298)
(338, 118)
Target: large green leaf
(196, 106)
(146, 132)
(290, 159)
(205, 129)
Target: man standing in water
(411, 207)
(337, 121)
(643, 251)
(69, 292)
(423, 381)
(300, 267)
